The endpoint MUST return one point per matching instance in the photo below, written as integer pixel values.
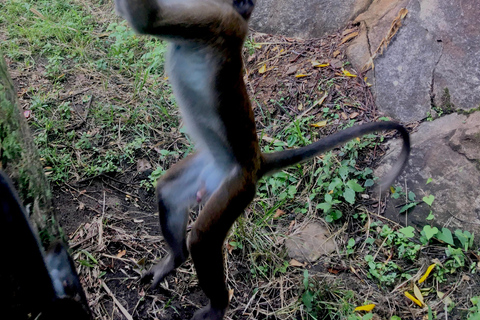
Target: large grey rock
(305, 18)
(446, 150)
(437, 48)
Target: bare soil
(112, 223)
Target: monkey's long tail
(278, 160)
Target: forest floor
(106, 125)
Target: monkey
(205, 68)
(34, 283)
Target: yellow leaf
(392, 189)
(348, 74)
(319, 124)
(418, 294)
(429, 269)
(409, 296)
(317, 64)
(263, 69)
(368, 307)
(301, 75)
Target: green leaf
(368, 183)
(324, 206)
(367, 316)
(349, 195)
(445, 236)
(429, 180)
(463, 237)
(411, 196)
(429, 231)
(305, 279)
(328, 198)
(409, 231)
(336, 214)
(429, 200)
(355, 186)
(408, 206)
(430, 216)
(351, 243)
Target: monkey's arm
(195, 20)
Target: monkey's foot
(159, 271)
(209, 313)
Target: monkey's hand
(158, 272)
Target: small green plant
(474, 311)
(384, 273)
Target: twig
(119, 305)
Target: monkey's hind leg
(176, 192)
(207, 238)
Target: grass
(100, 106)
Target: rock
(433, 58)
(447, 151)
(305, 18)
(310, 243)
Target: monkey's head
(244, 7)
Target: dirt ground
(112, 222)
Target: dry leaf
(295, 263)
(367, 308)
(418, 294)
(230, 248)
(348, 31)
(333, 271)
(230, 294)
(300, 107)
(263, 69)
(121, 253)
(336, 53)
(319, 124)
(35, 11)
(349, 37)
(279, 213)
(290, 226)
(429, 269)
(354, 115)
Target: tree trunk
(20, 160)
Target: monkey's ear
(244, 7)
